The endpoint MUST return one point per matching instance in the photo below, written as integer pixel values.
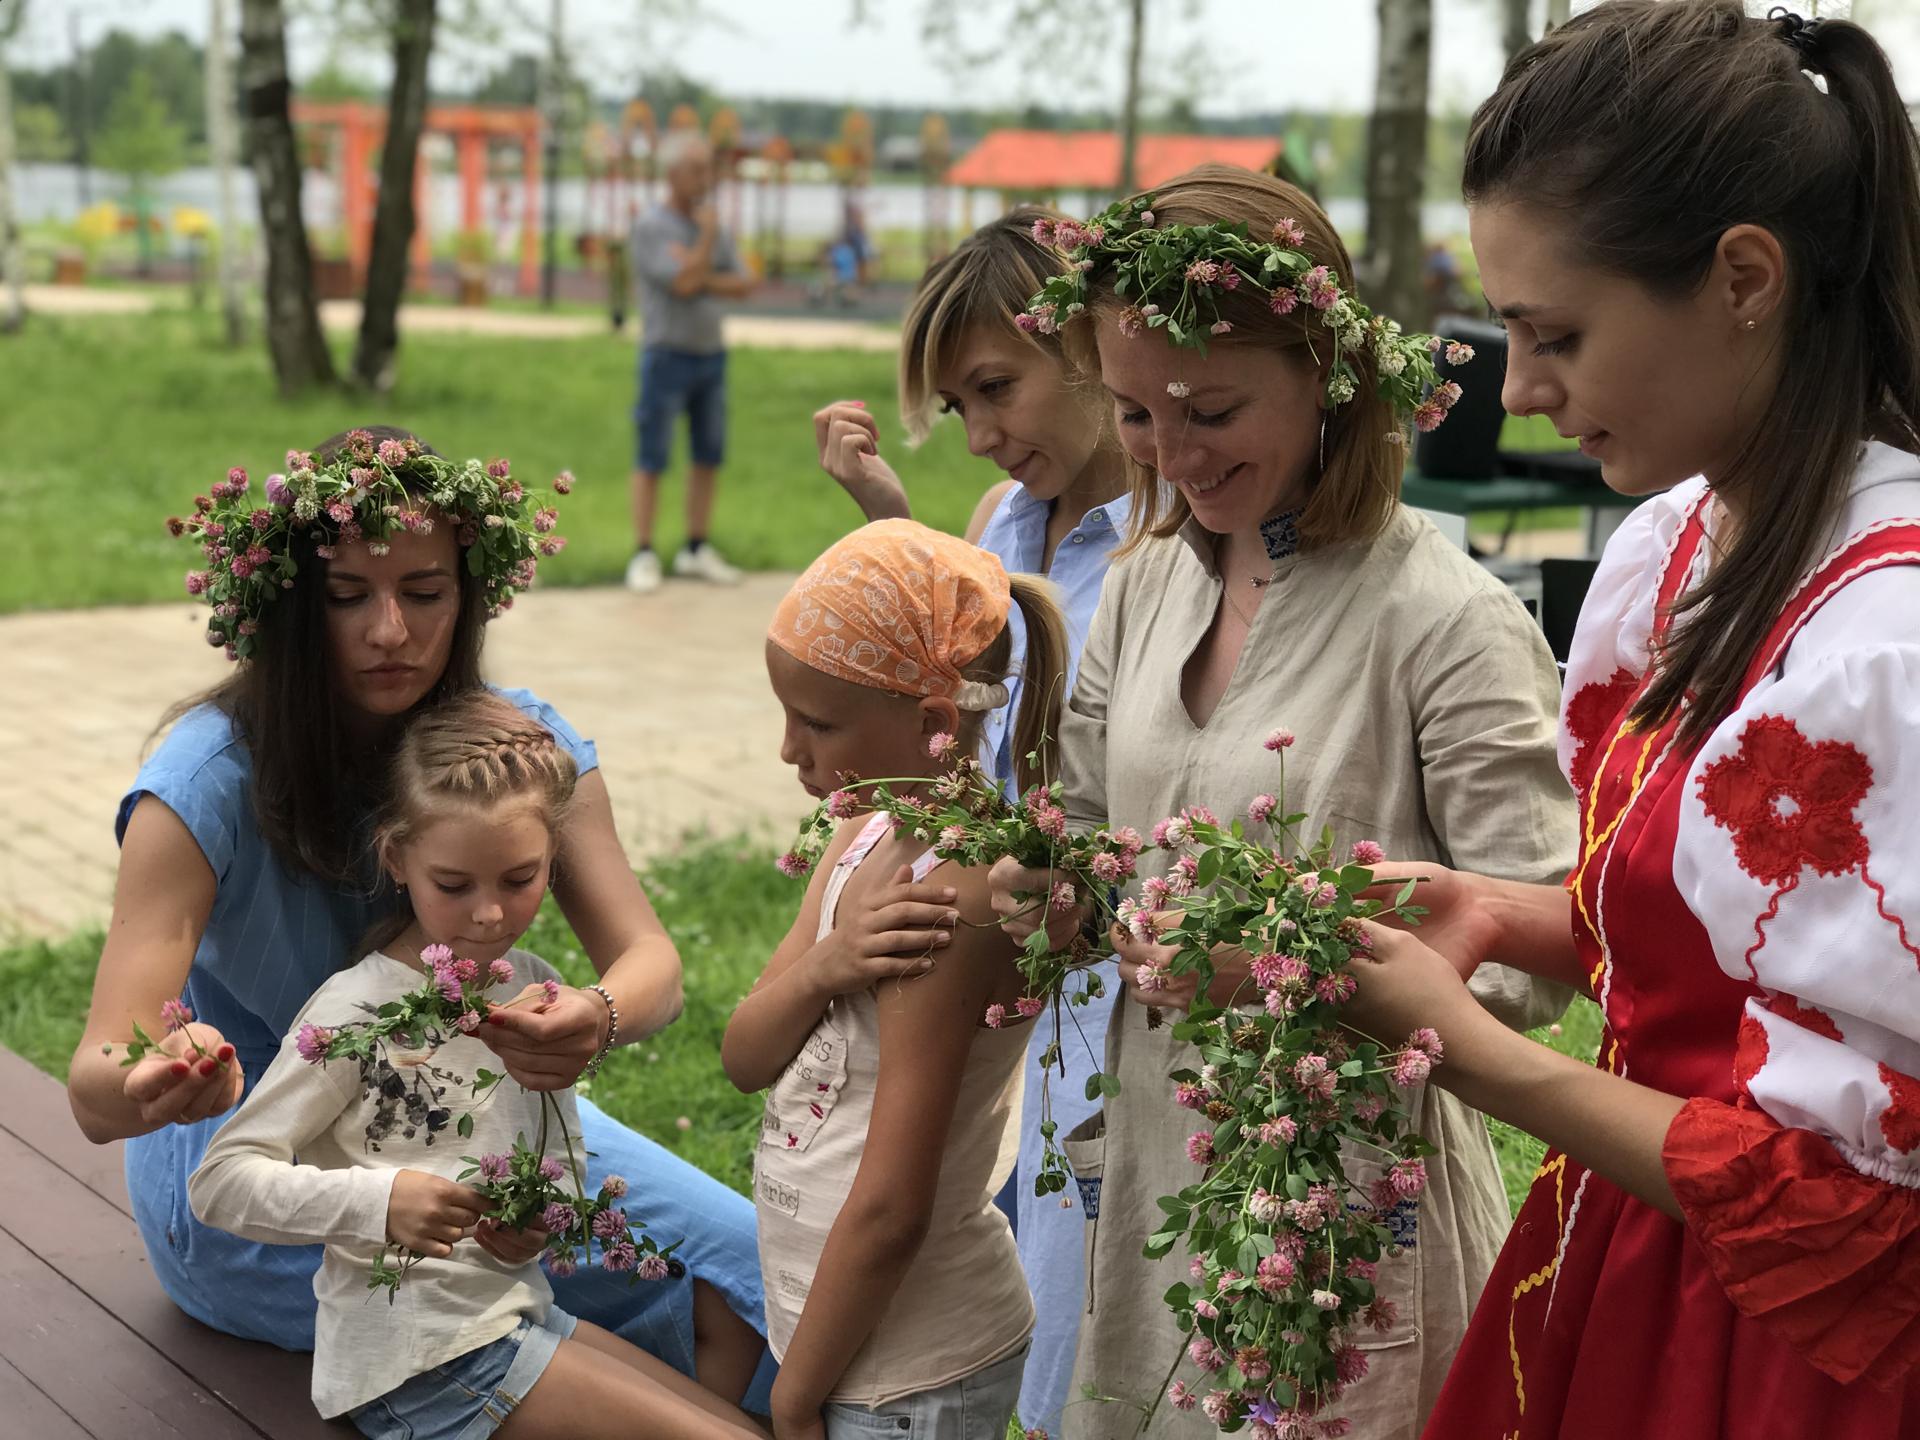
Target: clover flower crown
(373, 489)
(1172, 277)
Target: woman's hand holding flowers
(546, 1046)
(186, 1075)
(1406, 984)
(1020, 896)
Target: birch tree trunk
(394, 219)
(294, 337)
(1130, 97)
(1397, 161)
(13, 308)
(222, 151)
(1515, 32)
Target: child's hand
(429, 1215)
(176, 1085)
(510, 1247)
(896, 931)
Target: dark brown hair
(1354, 495)
(1652, 129)
(313, 790)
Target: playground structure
(354, 132)
(753, 175)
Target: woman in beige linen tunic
(1277, 582)
(1424, 700)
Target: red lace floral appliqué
(1789, 801)
(1807, 1017)
(1900, 1122)
(1590, 716)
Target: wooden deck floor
(89, 1346)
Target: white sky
(1319, 56)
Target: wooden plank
(37, 1112)
(99, 1251)
(108, 1380)
(30, 1412)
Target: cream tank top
(963, 1303)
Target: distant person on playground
(685, 265)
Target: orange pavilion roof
(1090, 159)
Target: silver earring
(1323, 442)
(1753, 325)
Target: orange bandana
(896, 606)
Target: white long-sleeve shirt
(310, 1157)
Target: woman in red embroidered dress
(1704, 233)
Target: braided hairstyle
(472, 752)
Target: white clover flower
(305, 507)
(1179, 389)
(1392, 360)
(1340, 389)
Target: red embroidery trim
(1749, 1050)
(1900, 1122)
(1880, 903)
(1760, 928)
(1590, 715)
(1807, 1017)
(1824, 783)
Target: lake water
(52, 192)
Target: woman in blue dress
(244, 883)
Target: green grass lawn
(111, 424)
(726, 908)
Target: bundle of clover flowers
(372, 490)
(523, 1185)
(967, 818)
(1283, 1246)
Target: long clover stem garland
(1284, 1242)
(966, 818)
(522, 1185)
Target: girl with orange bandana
(895, 1295)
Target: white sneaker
(643, 572)
(706, 563)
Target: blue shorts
(673, 381)
(470, 1396)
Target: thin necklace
(1226, 593)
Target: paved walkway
(672, 686)
(765, 332)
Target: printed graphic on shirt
(794, 1287)
(783, 1198)
(800, 1101)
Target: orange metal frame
(362, 130)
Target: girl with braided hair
(246, 881)
(472, 1342)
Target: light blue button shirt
(1052, 1235)
(1017, 533)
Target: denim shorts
(974, 1407)
(676, 381)
(470, 1396)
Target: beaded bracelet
(613, 1030)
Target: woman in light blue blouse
(1060, 514)
(243, 884)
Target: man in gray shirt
(685, 265)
